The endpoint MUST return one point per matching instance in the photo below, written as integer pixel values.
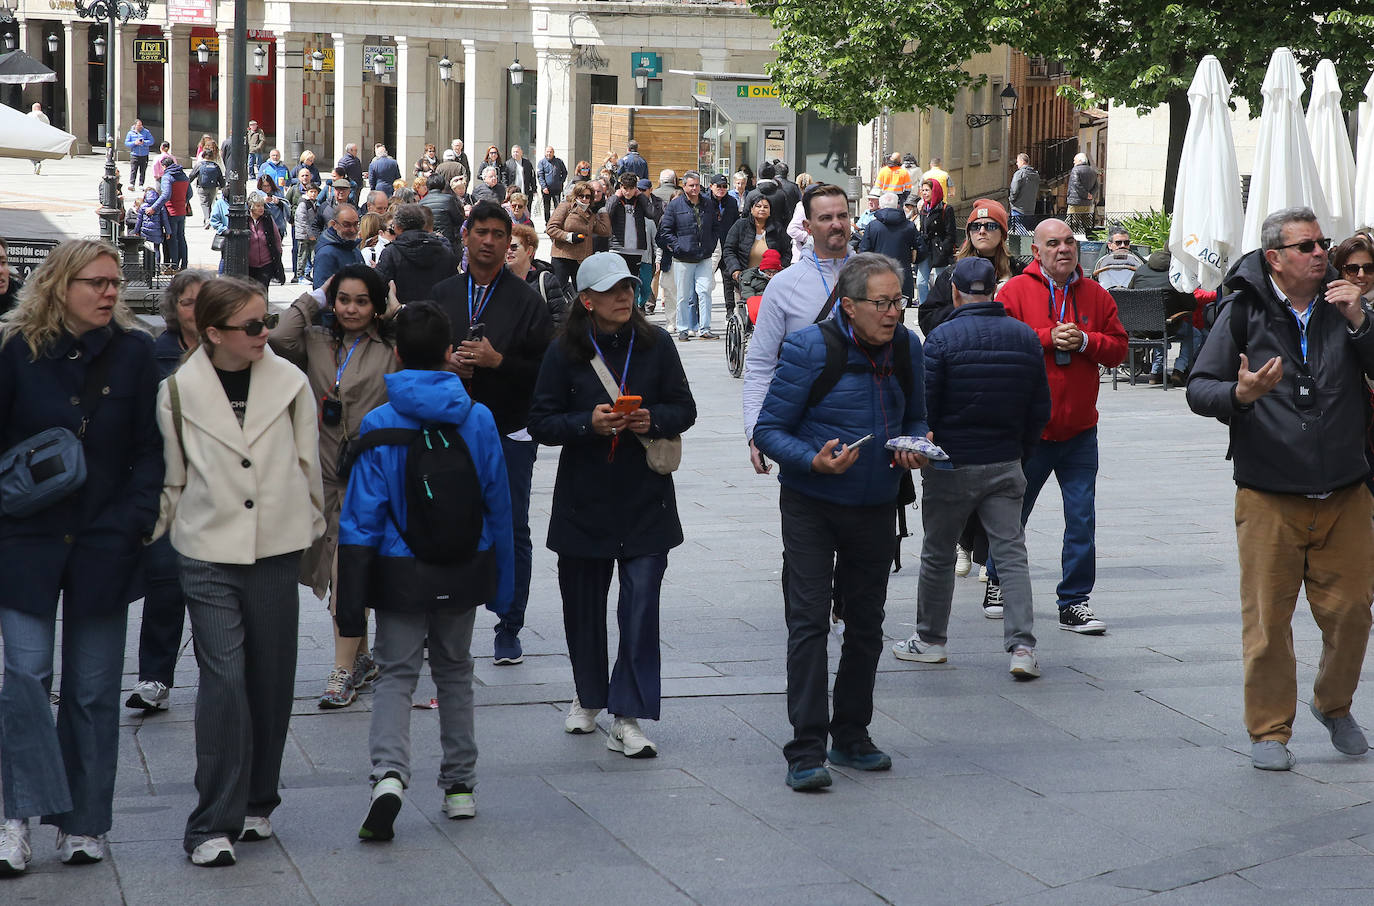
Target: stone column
(412, 100)
(126, 84)
(482, 108)
(558, 102)
(290, 78)
(75, 81)
(225, 61)
(348, 93)
(176, 104)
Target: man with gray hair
(383, 172)
(415, 259)
(1082, 193)
(1285, 368)
(352, 166)
(1024, 190)
(890, 233)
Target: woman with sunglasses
(1354, 261)
(582, 172)
(346, 351)
(68, 329)
(572, 226)
(242, 500)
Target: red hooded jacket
(1073, 387)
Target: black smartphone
(331, 411)
(477, 331)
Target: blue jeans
(66, 772)
(693, 294)
(520, 456)
(1074, 464)
(1190, 340)
(925, 278)
(254, 161)
(164, 613)
(646, 283)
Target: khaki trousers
(1286, 542)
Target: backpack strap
(829, 306)
(384, 437)
(837, 362)
(175, 396)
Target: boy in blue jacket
(417, 599)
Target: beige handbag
(663, 454)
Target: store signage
(371, 52)
(757, 91)
(150, 50)
(191, 12)
(650, 61)
(25, 255)
(774, 143)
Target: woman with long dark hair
(751, 236)
(241, 500)
(346, 351)
(72, 356)
(611, 511)
(493, 159)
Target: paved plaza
(1123, 775)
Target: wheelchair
(739, 327)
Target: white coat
(237, 494)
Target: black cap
(719, 180)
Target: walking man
(1285, 368)
(551, 173)
(686, 232)
(139, 141)
(1024, 190)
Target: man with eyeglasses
(338, 245)
(1118, 266)
(839, 505)
(1076, 323)
(1285, 368)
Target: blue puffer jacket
(859, 404)
(376, 567)
(987, 396)
(332, 253)
(688, 235)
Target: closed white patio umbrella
(1332, 152)
(1284, 174)
(1204, 237)
(1364, 161)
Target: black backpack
(210, 175)
(443, 493)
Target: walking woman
(571, 227)
(346, 363)
(264, 243)
(164, 608)
(936, 222)
(610, 510)
(242, 500)
(72, 356)
(493, 159)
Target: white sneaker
(255, 828)
(983, 573)
(15, 851)
(459, 802)
(1023, 663)
(213, 853)
(381, 814)
(627, 739)
(580, 720)
(148, 695)
(963, 563)
(913, 649)
(79, 849)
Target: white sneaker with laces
(913, 649)
(79, 849)
(983, 573)
(963, 563)
(255, 828)
(148, 695)
(213, 853)
(383, 809)
(580, 720)
(1024, 664)
(459, 802)
(627, 739)
(15, 852)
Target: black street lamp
(1008, 99)
(109, 12)
(236, 237)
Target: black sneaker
(1080, 618)
(863, 755)
(992, 601)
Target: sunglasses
(1355, 270)
(1308, 246)
(985, 226)
(254, 327)
(1119, 243)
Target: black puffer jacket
(416, 260)
(448, 214)
(1276, 446)
(740, 241)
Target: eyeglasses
(985, 226)
(1119, 243)
(1307, 246)
(886, 305)
(254, 327)
(350, 224)
(1354, 270)
(100, 284)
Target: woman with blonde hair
(370, 237)
(73, 357)
(242, 500)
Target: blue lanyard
(338, 375)
(1303, 320)
(820, 270)
(1063, 306)
(624, 375)
(475, 313)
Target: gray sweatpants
(398, 649)
(244, 620)
(948, 496)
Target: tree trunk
(1180, 111)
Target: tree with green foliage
(850, 60)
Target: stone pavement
(1120, 776)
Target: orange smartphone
(627, 404)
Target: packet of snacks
(922, 445)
